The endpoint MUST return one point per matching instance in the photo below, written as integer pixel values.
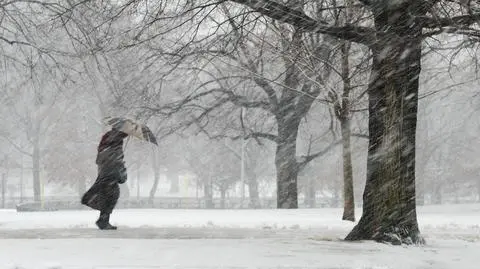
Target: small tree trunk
(174, 179)
(345, 118)
(253, 189)
(156, 177)
(348, 195)
(82, 186)
(478, 189)
(208, 194)
(389, 210)
(36, 170)
(124, 191)
(310, 193)
(287, 166)
(437, 193)
(138, 182)
(21, 181)
(223, 192)
(455, 191)
(4, 188)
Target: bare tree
(285, 97)
(36, 108)
(353, 66)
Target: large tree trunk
(286, 164)
(389, 210)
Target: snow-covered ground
(306, 238)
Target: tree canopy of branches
(395, 39)
(277, 89)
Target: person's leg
(103, 222)
(110, 196)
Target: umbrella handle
(126, 144)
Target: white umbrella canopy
(131, 128)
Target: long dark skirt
(102, 196)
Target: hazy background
(57, 87)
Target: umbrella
(131, 128)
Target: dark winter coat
(104, 193)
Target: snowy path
(162, 233)
(231, 253)
(207, 239)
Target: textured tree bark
(286, 164)
(389, 209)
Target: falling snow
(226, 110)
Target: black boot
(103, 222)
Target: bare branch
(311, 157)
(453, 23)
(14, 42)
(255, 135)
(361, 136)
(302, 22)
(264, 85)
(16, 146)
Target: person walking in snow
(104, 193)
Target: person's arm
(122, 178)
